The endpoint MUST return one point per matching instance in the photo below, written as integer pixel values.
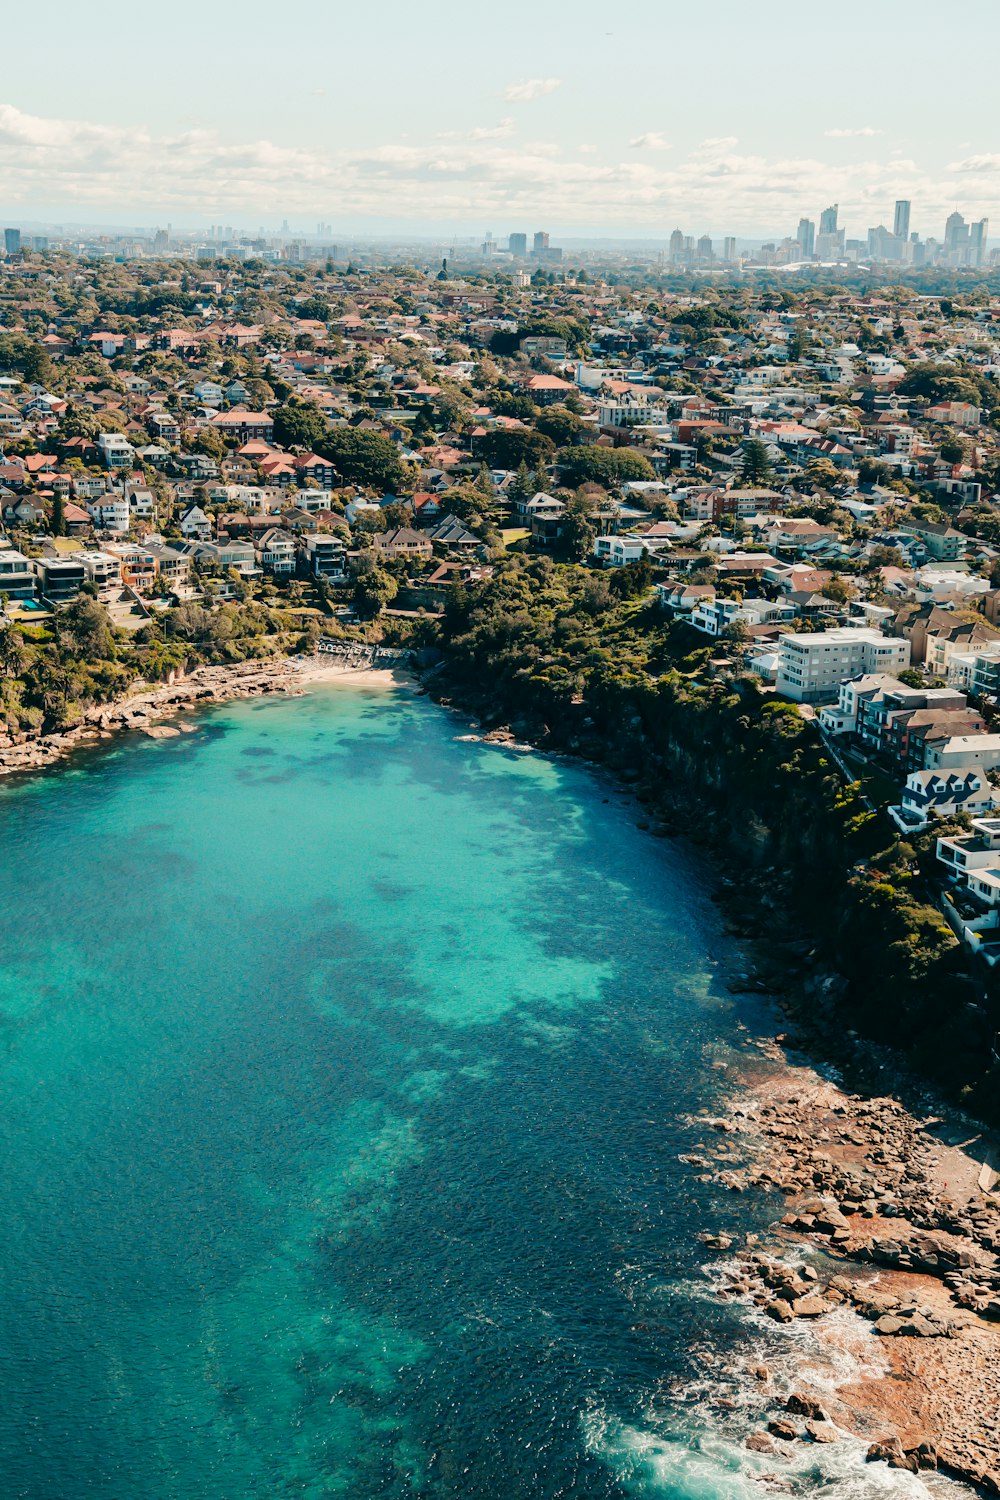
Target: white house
(616, 551)
(941, 794)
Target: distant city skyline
(410, 119)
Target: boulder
(883, 1450)
(759, 1442)
(822, 1432)
(809, 1307)
(805, 1406)
(783, 1430)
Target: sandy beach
(150, 708)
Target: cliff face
(837, 902)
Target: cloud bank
(487, 176)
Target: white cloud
(496, 132)
(492, 132)
(66, 167)
(988, 162)
(845, 133)
(532, 88)
(652, 140)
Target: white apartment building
(812, 667)
(116, 452)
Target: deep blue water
(345, 1070)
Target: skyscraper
(517, 244)
(956, 232)
(978, 234)
(828, 219)
(806, 237)
(541, 241)
(901, 221)
(705, 249)
(12, 241)
(729, 248)
(677, 244)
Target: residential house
(942, 542)
(241, 426)
(276, 551)
(616, 551)
(115, 451)
(326, 557)
(404, 542)
(110, 512)
(138, 564)
(451, 533)
(936, 794)
(195, 525)
(102, 568)
(17, 575)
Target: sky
(446, 118)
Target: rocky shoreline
(145, 706)
(888, 1217)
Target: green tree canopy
(507, 448)
(299, 424)
(363, 456)
(605, 466)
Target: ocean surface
(345, 1070)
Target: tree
(507, 448)
(299, 424)
(942, 382)
(577, 529)
(13, 655)
(821, 473)
(560, 424)
(521, 486)
(593, 464)
(18, 352)
(84, 628)
(373, 590)
(871, 471)
(363, 456)
(952, 450)
(314, 310)
(838, 589)
(755, 463)
(633, 580)
(209, 440)
(884, 557)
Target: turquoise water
(344, 1071)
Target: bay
(345, 1068)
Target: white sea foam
(695, 1448)
(711, 1463)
